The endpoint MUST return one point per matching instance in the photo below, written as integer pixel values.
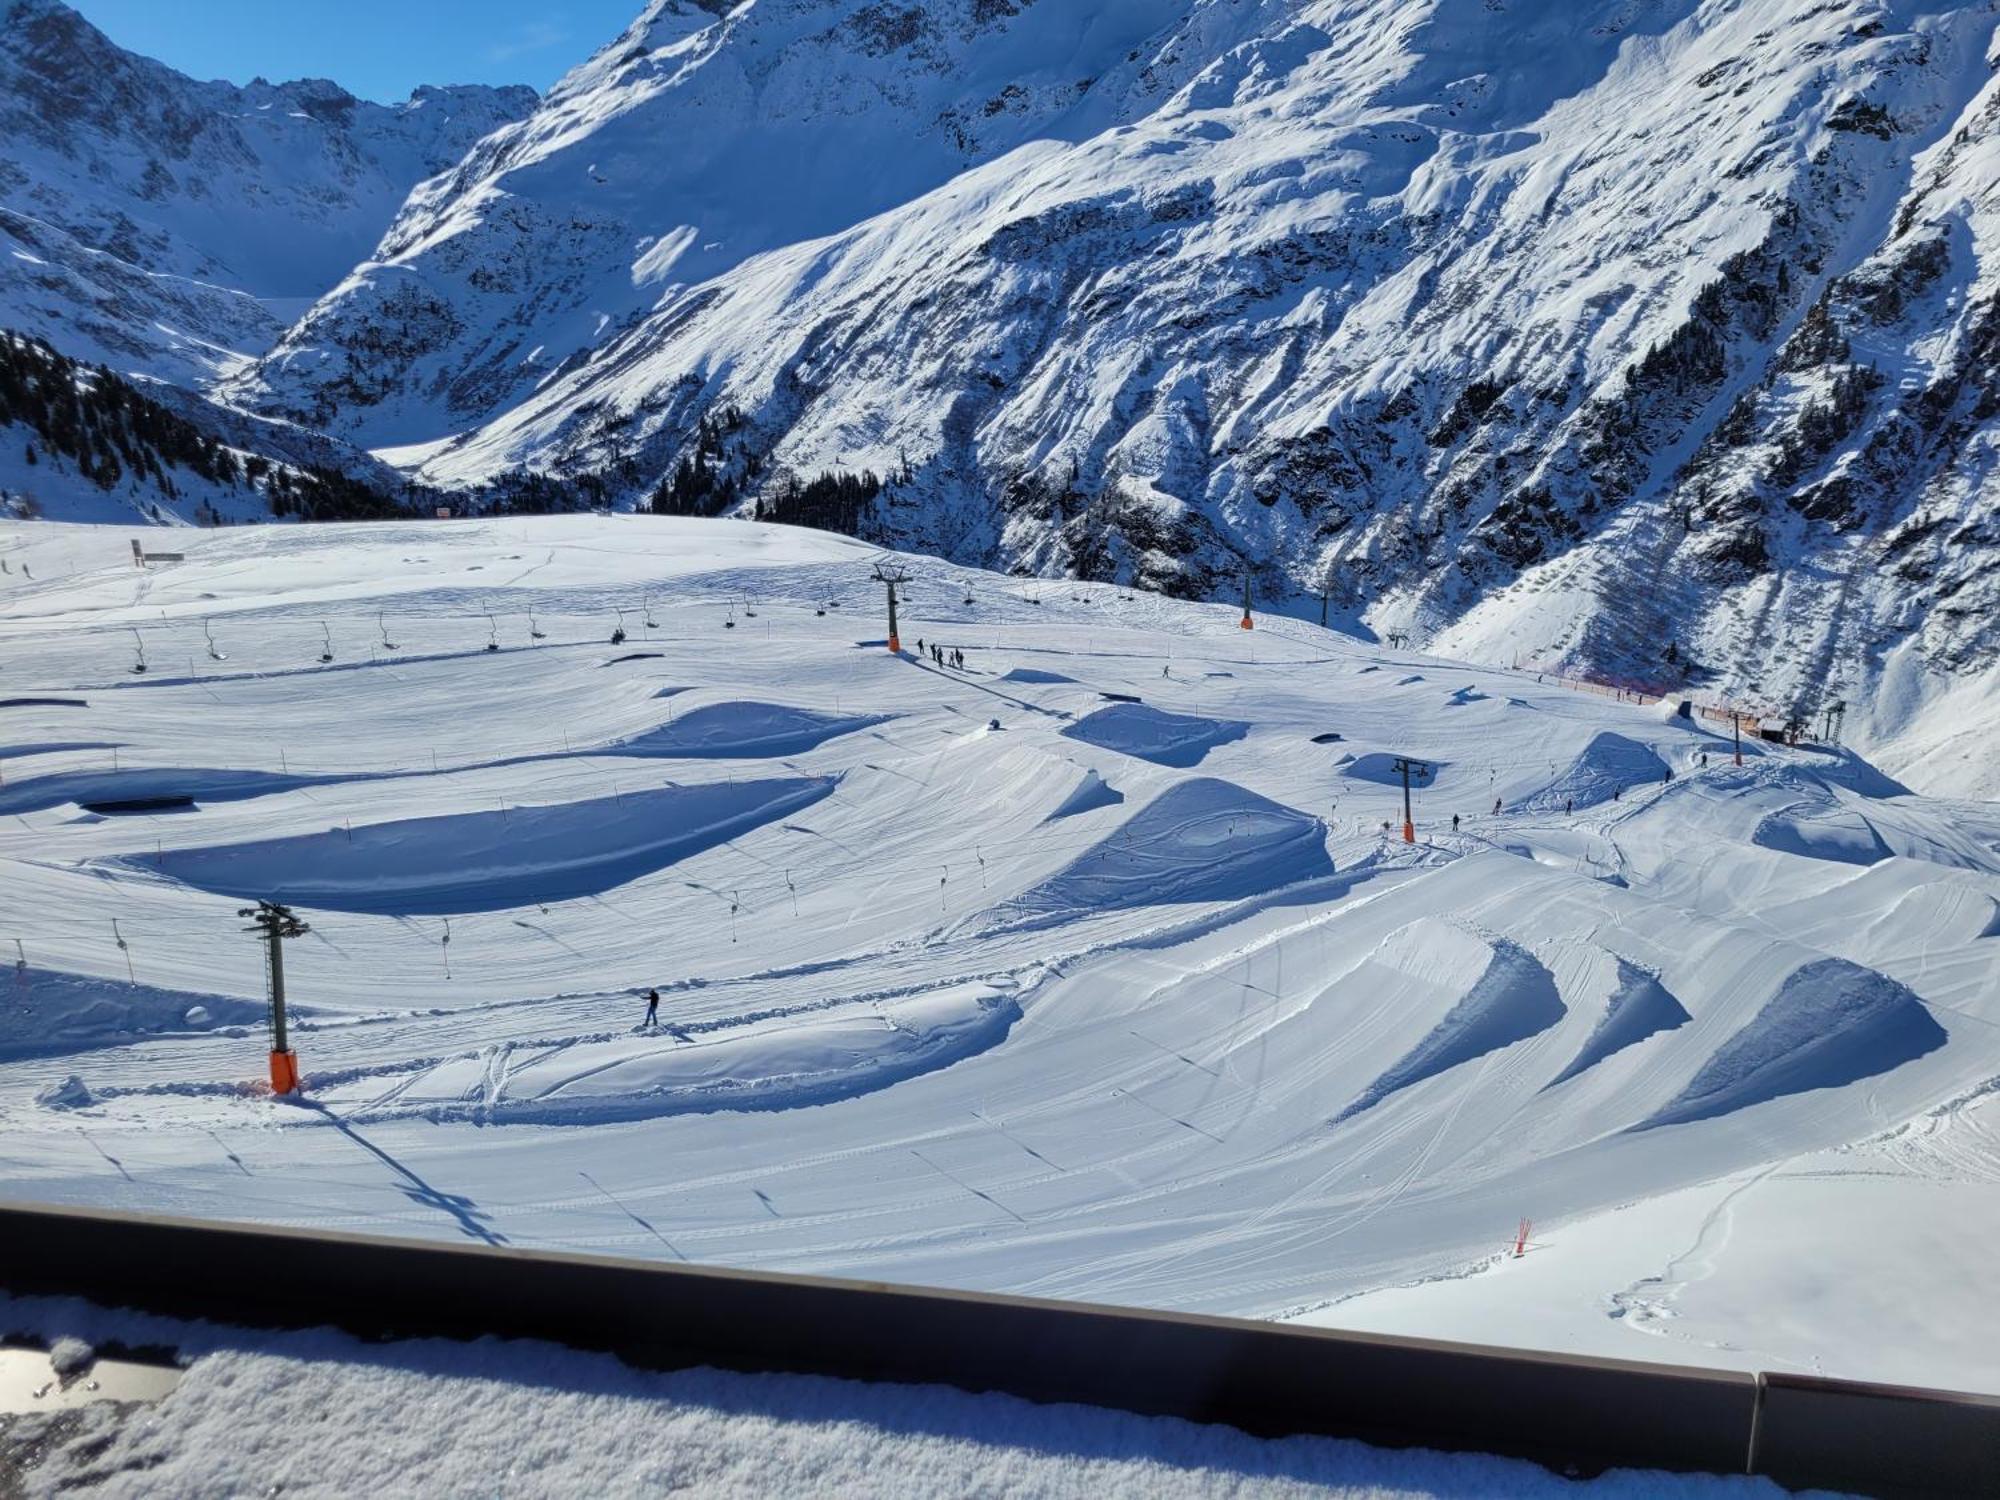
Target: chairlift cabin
(326, 648)
(208, 634)
(492, 635)
(387, 644)
(535, 631)
(140, 664)
(651, 623)
(618, 633)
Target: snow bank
(51, 1013)
(1831, 1023)
(1512, 998)
(104, 789)
(1166, 739)
(1203, 840)
(488, 861)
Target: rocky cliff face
(1653, 336)
(173, 227)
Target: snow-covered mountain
(171, 227)
(1654, 335)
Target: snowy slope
(974, 978)
(171, 227)
(1558, 332)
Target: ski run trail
(1086, 971)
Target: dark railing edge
(1573, 1412)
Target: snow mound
(792, 1066)
(718, 731)
(1831, 1023)
(49, 1012)
(1034, 675)
(1833, 833)
(489, 861)
(1638, 1006)
(1379, 767)
(1091, 793)
(1513, 997)
(1203, 840)
(1609, 763)
(1166, 739)
(65, 1093)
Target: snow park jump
(1334, 663)
(1128, 955)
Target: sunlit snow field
(980, 978)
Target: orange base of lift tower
(1409, 833)
(284, 1072)
(1247, 625)
(895, 645)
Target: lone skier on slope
(652, 1009)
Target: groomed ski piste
(1088, 971)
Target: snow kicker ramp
(1830, 1023)
(1203, 840)
(490, 861)
(1179, 740)
(1505, 996)
(596, 1080)
(741, 731)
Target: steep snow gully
(1088, 969)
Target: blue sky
(379, 49)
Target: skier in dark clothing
(652, 1008)
(1569, 806)
(920, 645)
(1496, 807)
(1454, 822)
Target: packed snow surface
(1083, 970)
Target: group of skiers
(953, 658)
